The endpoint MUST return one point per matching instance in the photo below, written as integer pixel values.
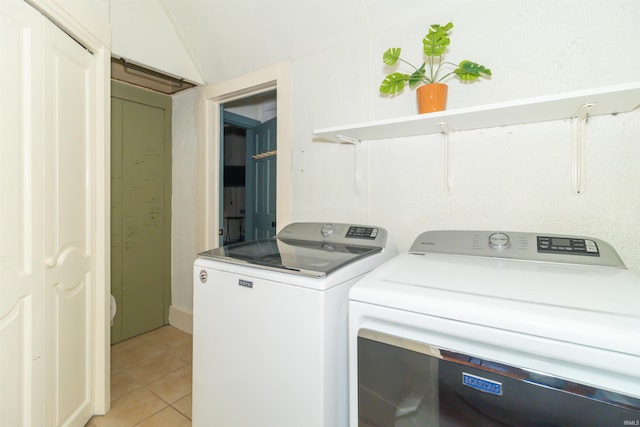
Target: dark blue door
(261, 175)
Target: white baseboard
(181, 319)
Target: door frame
(274, 78)
(83, 23)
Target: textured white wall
(511, 178)
(185, 198)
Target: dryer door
(402, 384)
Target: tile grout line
(172, 344)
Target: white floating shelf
(605, 100)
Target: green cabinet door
(141, 209)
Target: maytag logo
(245, 283)
(482, 384)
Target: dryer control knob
(327, 230)
(499, 241)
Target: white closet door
(47, 222)
(21, 259)
(69, 194)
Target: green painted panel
(144, 191)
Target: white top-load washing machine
(270, 326)
(474, 328)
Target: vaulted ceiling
(230, 36)
(225, 38)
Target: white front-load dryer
(476, 328)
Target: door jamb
(276, 77)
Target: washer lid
(308, 249)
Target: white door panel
(20, 216)
(47, 222)
(68, 227)
(72, 361)
(67, 136)
(15, 369)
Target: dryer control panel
(567, 245)
(519, 245)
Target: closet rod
(174, 81)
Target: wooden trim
(276, 77)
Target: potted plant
(432, 92)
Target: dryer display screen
(563, 245)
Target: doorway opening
(248, 151)
(275, 79)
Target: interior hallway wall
(184, 206)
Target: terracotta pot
(432, 97)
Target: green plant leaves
(435, 70)
(393, 83)
(391, 55)
(417, 76)
(468, 71)
(436, 40)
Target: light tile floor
(150, 381)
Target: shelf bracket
(578, 149)
(356, 159)
(347, 140)
(448, 157)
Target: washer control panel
(518, 245)
(346, 234)
(567, 245)
(362, 232)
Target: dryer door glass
(401, 387)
